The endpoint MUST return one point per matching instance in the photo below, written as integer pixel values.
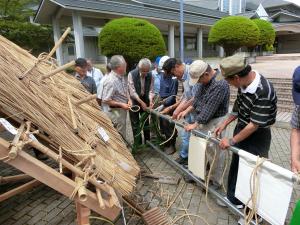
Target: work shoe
(170, 150)
(243, 222)
(220, 203)
(182, 161)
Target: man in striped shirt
(255, 110)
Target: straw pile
(45, 103)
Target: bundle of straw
(46, 104)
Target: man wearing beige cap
(255, 110)
(210, 105)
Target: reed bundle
(46, 104)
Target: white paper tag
(103, 134)
(125, 166)
(11, 129)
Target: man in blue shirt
(168, 91)
(181, 72)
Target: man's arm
(151, 92)
(115, 104)
(209, 109)
(184, 104)
(295, 148)
(131, 88)
(224, 124)
(132, 92)
(172, 99)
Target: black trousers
(257, 143)
(136, 122)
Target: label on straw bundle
(125, 166)
(103, 134)
(11, 129)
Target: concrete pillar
(221, 52)
(56, 35)
(200, 42)
(78, 34)
(171, 41)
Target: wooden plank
(21, 189)
(14, 179)
(83, 214)
(52, 178)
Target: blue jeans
(185, 138)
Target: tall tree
(17, 9)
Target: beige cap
(233, 65)
(197, 69)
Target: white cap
(162, 61)
(197, 69)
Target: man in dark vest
(140, 82)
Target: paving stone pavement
(43, 205)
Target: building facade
(87, 17)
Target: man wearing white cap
(210, 105)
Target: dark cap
(232, 65)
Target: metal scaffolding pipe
(197, 180)
(198, 133)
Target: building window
(71, 50)
(190, 43)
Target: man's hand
(295, 166)
(143, 105)
(224, 143)
(218, 130)
(125, 106)
(175, 115)
(151, 105)
(190, 127)
(129, 103)
(181, 115)
(166, 110)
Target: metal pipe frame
(198, 133)
(201, 183)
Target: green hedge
(132, 38)
(234, 32)
(267, 32)
(35, 38)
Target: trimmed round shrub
(132, 38)
(234, 32)
(267, 32)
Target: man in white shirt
(94, 72)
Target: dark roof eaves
(167, 14)
(189, 7)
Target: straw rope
(254, 190)
(46, 105)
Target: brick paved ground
(42, 205)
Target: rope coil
(254, 191)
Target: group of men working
(203, 105)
